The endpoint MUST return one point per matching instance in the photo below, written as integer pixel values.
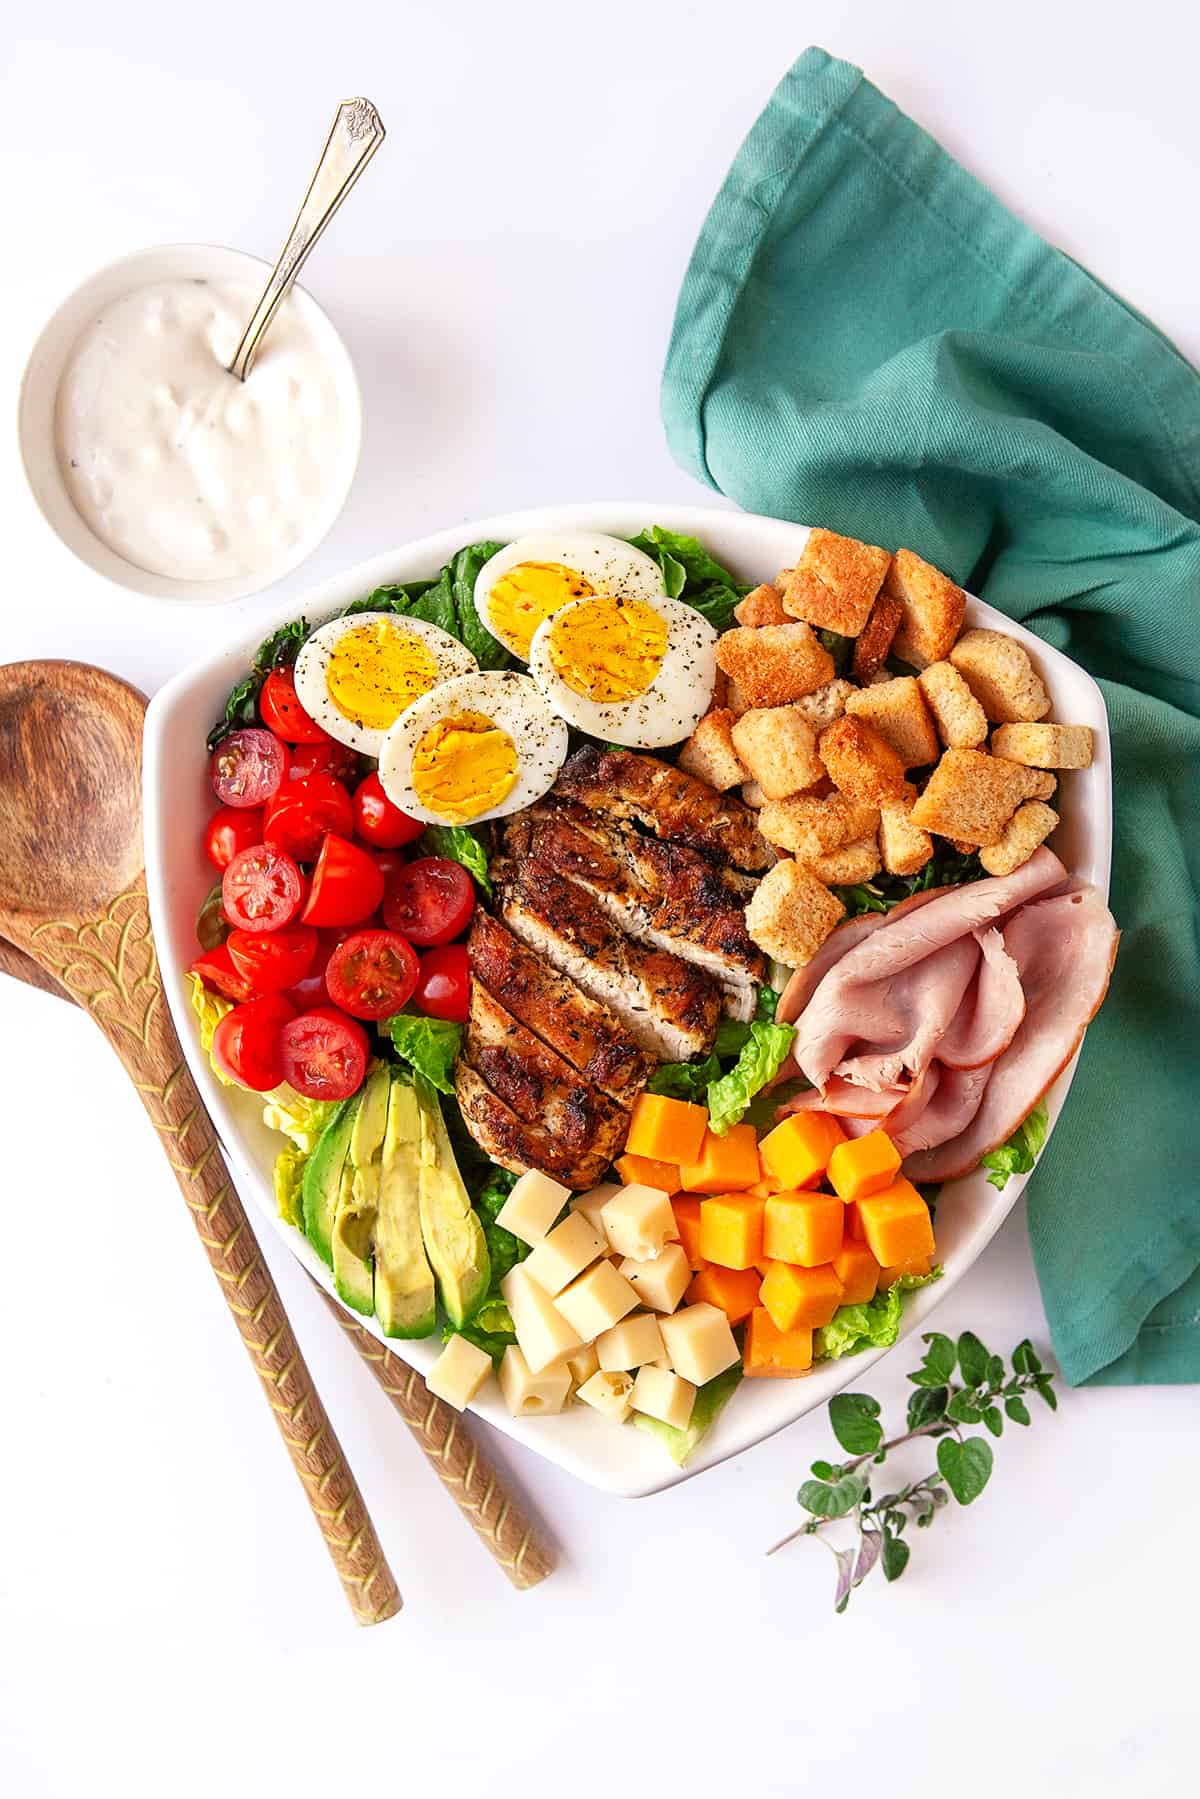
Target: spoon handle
(109, 967)
(355, 135)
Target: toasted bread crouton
(1044, 746)
(811, 827)
(861, 763)
(774, 664)
(735, 700)
(961, 721)
(753, 795)
(971, 796)
(709, 753)
(791, 914)
(762, 606)
(1045, 788)
(905, 848)
(1029, 825)
(999, 673)
(933, 609)
(779, 750)
(854, 862)
(719, 700)
(897, 711)
(826, 704)
(874, 641)
(834, 582)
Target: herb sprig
(986, 1394)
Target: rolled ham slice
(987, 1020)
(956, 1101)
(839, 943)
(845, 1100)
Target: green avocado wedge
(454, 1239)
(322, 1179)
(358, 1198)
(405, 1298)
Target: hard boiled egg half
(628, 670)
(536, 576)
(357, 675)
(479, 746)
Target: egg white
(671, 706)
(608, 565)
(312, 664)
(513, 703)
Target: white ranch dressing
(175, 464)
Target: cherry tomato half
(298, 818)
(262, 889)
(282, 712)
(346, 885)
(272, 961)
(229, 830)
(388, 861)
(215, 968)
(372, 974)
(324, 1054)
(246, 1044)
(328, 758)
(444, 983)
(429, 901)
(378, 822)
(247, 767)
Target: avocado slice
(405, 1300)
(358, 1198)
(322, 1178)
(454, 1239)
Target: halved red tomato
(429, 901)
(247, 767)
(282, 712)
(372, 974)
(328, 758)
(262, 889)
(299, 817)
(246, 1044)
(324, 1054)
(444, 983)
(230, 830)
(378, 822)
(216, 969)
(272, 961)
(346, 884)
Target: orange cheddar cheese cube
(731, 1230)
(896, 1224)
(863, 1165)
(854, 1229)
(858, 1272)
(779, 1355)
(725, 1164)
(800, 1298)
(735, 1290)
(686, 1208)
(919, 1265)
(643, 1171)
(805, 1228)
(665, 1129)
(797, 1151)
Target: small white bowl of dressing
(155, 466)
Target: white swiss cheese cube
(543, 1332)
(608, 1393)
(662, 1283)
(699, 1342)
(593, 1203)
(583, 1363)
(532, 1206)
(528, 1395)
(595, 1301)
(570, 1248)
(459, 1372)
(627, 1345)
(660, 1394)
(638, 1221)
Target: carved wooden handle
(109, 967)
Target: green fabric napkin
(866, 339)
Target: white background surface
(505, 278)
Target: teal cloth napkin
(866, 339)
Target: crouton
(933, 609)
(779, 750)
(791, 914)
(999, 673)
(834, 582)
(775, 663)
(762, 606)
(961, 721)
(753, 795)
(860, 762)
(1046, 787)
(1044, 746)
(1029, 825)
(875, 639)
(718, 699)
(904, 847)
(897, 711)
(810, 827)
(854, 862)
(826, 704)
(735, 700)
(971, 796)
(709, 753)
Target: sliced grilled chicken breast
(668, 802)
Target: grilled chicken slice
(517, 1144)
(668, 802)
(584, 1033)
(662, 893)
(669, 1007)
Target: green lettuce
(872, 1325)
(1019, 1154)
(430, 1045)
(711, 1400)
(486, 649)
(279, 650)
(685, 1080)
(432, 601)
(947, 868)
(457, 844)
(762, 1056)
(286, 1177)
(691, 574)
(491, 1327)
(301, 1119)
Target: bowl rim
(37, 395)
(627, 1476)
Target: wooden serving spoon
(500, 1523)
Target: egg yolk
(527, 594)
(609, 649)
(375, 671)
(464, 765)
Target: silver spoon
(354, 137)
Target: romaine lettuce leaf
(685, 1080)
(286, 1177)
(430, 1045)
(470, 628)
(711, 1399)
(210, 1008)
(458, 844)
(1019, 1154)
(873, 1325)
(762, 1056)
(691, 574)
(301, 1119)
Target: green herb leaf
(895, 1557)
(972, 1359)
(1025, 1358)
(941, 1355)
(855, 1421)
(1017, 1410)
(1019, 1154)
(993, 1420)
(759, 1062)
(966, 1467)
(964, 1407)
(926, 1405)
(826, 1499)
(823, 1470)
(1046, 1391)
(430, 1045)
(458, 844)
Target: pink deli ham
(987, 1021)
